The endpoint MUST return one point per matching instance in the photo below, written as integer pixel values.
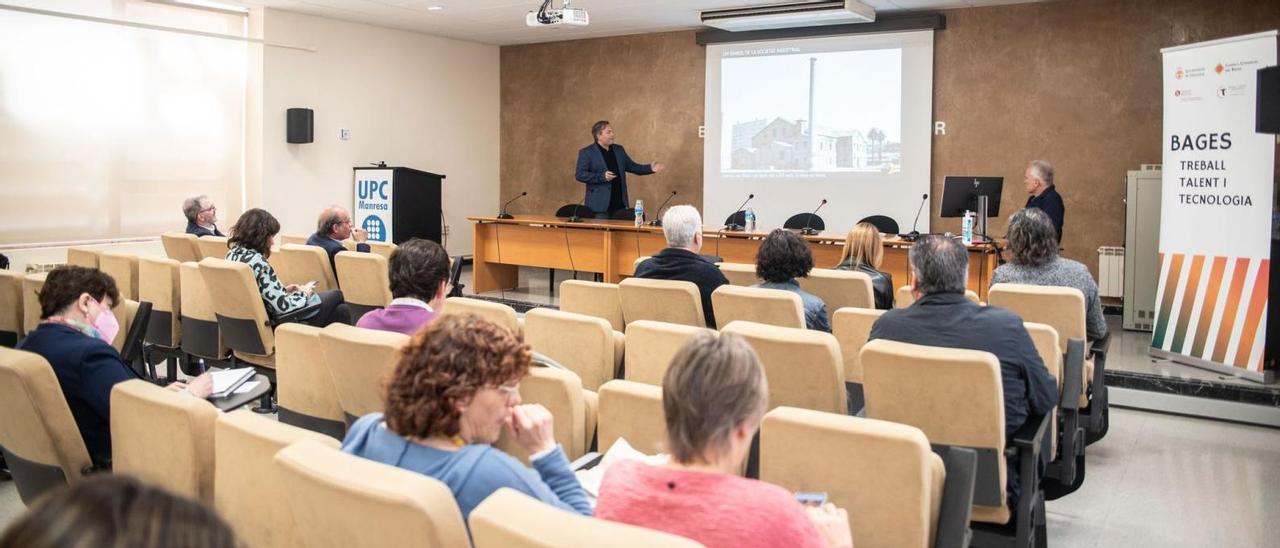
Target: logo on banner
(1218, 69)
(1179, 74)
(374, 226)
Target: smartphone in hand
(811, 498)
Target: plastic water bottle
(750, 218)
(966, 230)
(639, 213)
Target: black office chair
(801, 221)
(738, 219)
(575, 210)
(885, 225)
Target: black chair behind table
(738, 218)
(802, 220)
(624, 214)
(582, 212)
(886, 225)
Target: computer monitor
(960, 194)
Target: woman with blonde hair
(863, 252)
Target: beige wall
(1075, 82)
(409, 99)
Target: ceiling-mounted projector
(789, 15)
(547, 16)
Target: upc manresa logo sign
(376, 229)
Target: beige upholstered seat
(756, 304)
(632, 411)
(199, 323)
(213, 246)
(163, 437)
(905, 298)
(1045, 339)
(1062, 308)
(248, 491)
(31, 285)
(668, 301)
(123, 268)
(293, 239)
(125, 313)
(573, 409)
(342, 500)
(160, 284)
(39, 437)
(497, 313)
(593, 299)
(587, 345)
(242, 316)
(953, 395)
(383, 249)
(852, 327)
(650, 347)
(803, 366)
(840, 288)
(742, 274)
(511, 519)
(300, 264)
(82, 256)
(359, 361)
(304, 386)
(365, 281)
(884, 474)
(11, 312)
(181, 247)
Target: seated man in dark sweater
(333, 227)
(942, 316)
(682, 225)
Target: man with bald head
(332, 228)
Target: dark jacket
(881, 282)
(684, 265)
(87, 369)
(201, 231)
(951, 320)
(1050, 202)
(590, 171)
(333, 247)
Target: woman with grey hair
(713, 397)
(1034, 243)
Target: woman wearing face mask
(75, 333)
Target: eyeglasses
(509, 390)
(210, 208)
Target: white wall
(409, 99)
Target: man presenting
(1039, 181)
(603, 167)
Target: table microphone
(915, 234)
(575, 218)
(735, 227)
(503, 214)
(808, 230)
(657, 215)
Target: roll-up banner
(1215, 216)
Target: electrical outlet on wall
(444, 231)
(702, 132)
(344, 134)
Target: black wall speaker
(300, 122)
(1269, 100)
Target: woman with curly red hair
(450, 397)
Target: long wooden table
(611, 247)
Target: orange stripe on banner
(1188, 302)
(1229, 314)
(1206, 310)
(1257, 303)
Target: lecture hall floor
(1156, 480)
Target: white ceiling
(501, 22)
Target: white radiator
(1110, 271)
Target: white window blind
(105, 129)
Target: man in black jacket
(332, 228)
(943, 316)
(1039, 183)
(202, 216)
(682, 226)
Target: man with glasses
(201, 216)
(332, 228)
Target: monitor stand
(981, 227)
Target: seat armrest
(1072, 375)
(587, 461)
(294, 316)
(1100, 346)
(957, 498)
(1032, 434)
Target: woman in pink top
(714, 396)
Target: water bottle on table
(966, 230)
(750, 218)
(639, 213)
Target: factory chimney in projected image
(813, 126)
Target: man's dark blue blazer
(591, 168)
(332, 248)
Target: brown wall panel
(1074, 82)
